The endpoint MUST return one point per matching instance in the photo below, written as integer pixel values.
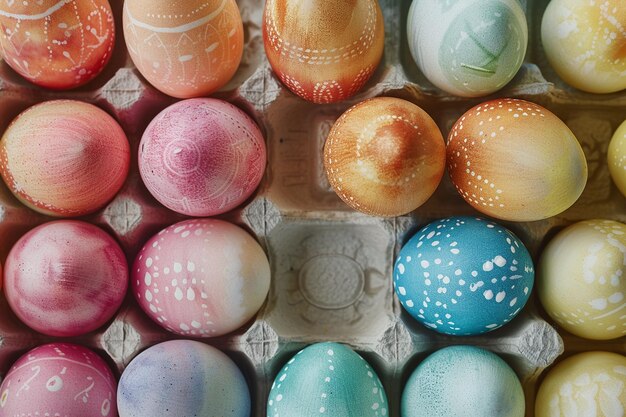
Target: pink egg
(202, 157)
(59, 379)
(201, 277)
(65, 278)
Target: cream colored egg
(617, 158)
(582, 279)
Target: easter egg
(468, 48)
(585, 42)
(586, 384)
(202, 157)
(463, 381)
(515, 160)
(463, 276)
(324, 50)
(64, 158)
(384, 156)
(183, 378)
(617, 158)
(58, 44)
(202, 277)
(59, 379)
(184, 49)
(327, 379)
(582, 279)
(65, 278)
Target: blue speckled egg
(463, 276)
(183, 378)
(463, 381)
(327, 379)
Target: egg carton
(331, 267)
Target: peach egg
(323, 50)
(384, 156)
(617, 158)
(515, 160)
(184, 48)
(58, 44)
(64, 158)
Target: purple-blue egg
(183, 378)
(463, 276)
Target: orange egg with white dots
(515, 160)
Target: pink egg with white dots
(201, 277)
(59, 379)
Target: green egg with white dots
(327, 379)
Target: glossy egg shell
(585, 43)
(202, 157)
(474, 64)
(582, 279)
(515, 160)
(184, 49)
(327, 379)
(617, 158)
(183, 378)
(60, 379)
(384, 156)
(463, 381)
(590, 383)
(64, 158)
(325, 50)
(57, 44)
(463, 276)
(201, 277)
(65, 278)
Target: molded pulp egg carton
(331, 267)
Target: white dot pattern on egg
(463, 276)
(327, 379)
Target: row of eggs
(183, 378)
(323, 51)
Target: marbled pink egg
(202, 157)
(59, 379)
(65, 278)
(201, 277)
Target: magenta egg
(59, 379)
(201, 277)
(202, 157)
(65, 278)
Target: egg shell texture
(183, 378)
(463, 381)
(185, 48)
(324, 50)
(468, 48)
(587, 384)
(59, 379)
(585, 42)
(327, 379)
(65, 278)
(201, 277)
(64, 158)
(515, 160)
(58, 44)
(617, 158)
(582, 281)
(463, 276)
(202, 157)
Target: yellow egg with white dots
(617, 158)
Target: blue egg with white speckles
(327, 379)
(464, 276)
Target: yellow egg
(582, 279)
(617, 158)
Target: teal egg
(327, 379)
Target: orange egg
(184, 49)
(384, 157)
(323, 50)
(58, 44)
(515, 160)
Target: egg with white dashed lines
(463, 276)
(327, 379)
